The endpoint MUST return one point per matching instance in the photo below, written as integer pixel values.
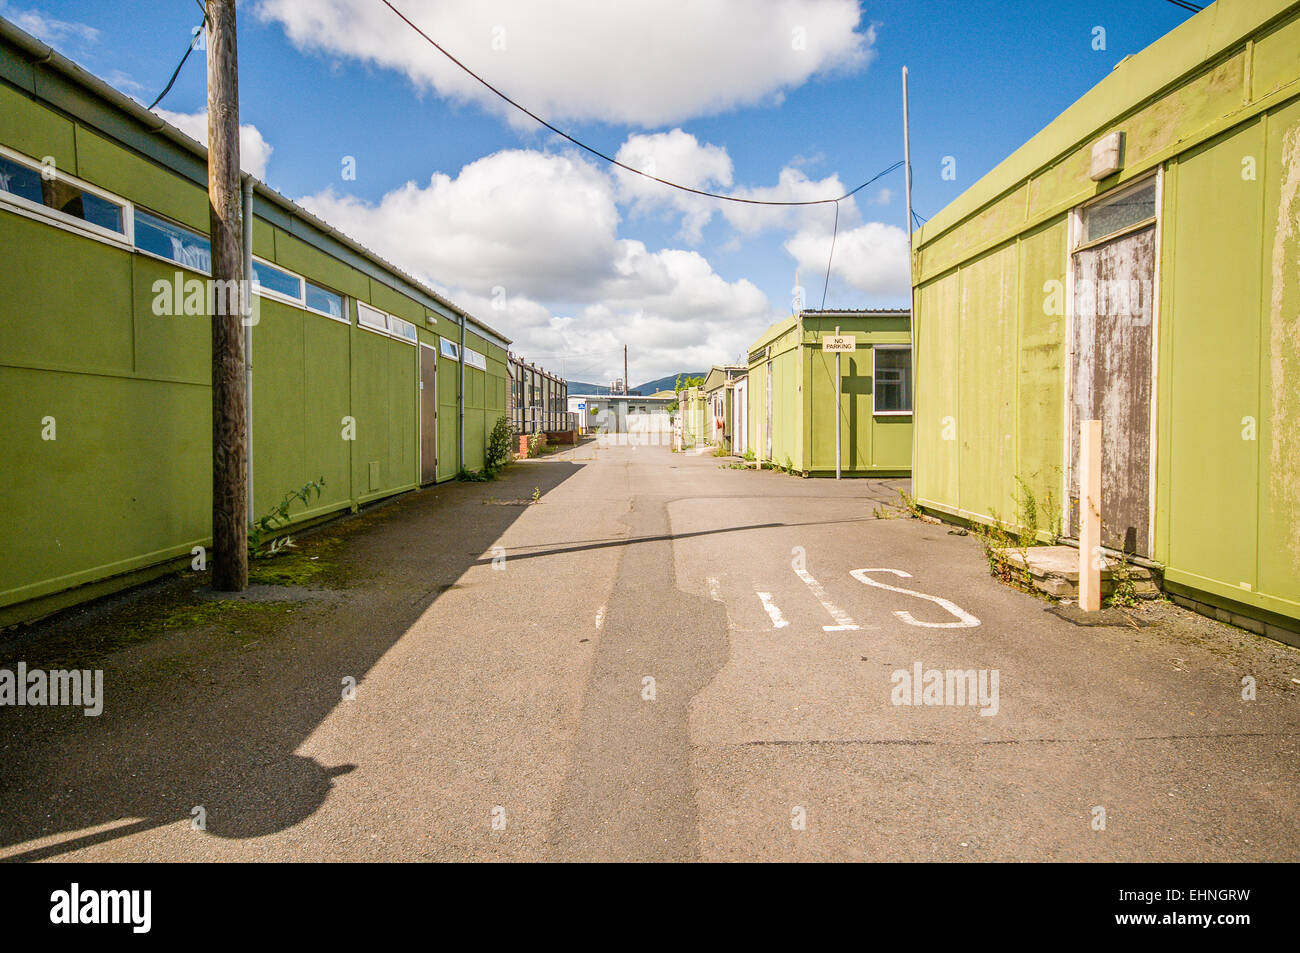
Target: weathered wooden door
(428, 414)
(1114, 303)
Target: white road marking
(966, 620)
(600, 617)
(715, 590)
(773, 610)
(842, 620)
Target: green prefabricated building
(720, 404)
(1136, 262)
(690, 404)
(792, 387)
(105, 379)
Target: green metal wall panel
(279, 408)
(986, 425)
(126, 483)
(1214, 327)
(1279, 368)
(448, 424)
(936, 407)
(326, 401)
(394, 302)
(475, 418)
(30, 128)
(403, 416)
(139, 180)
(297, 255)
(1041, 341)
(168, 346)
(891, 444)
(52, 319)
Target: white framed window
(402, 330)
(1116, 212)
(273, 282)
(371, 318)
(329, 303)
(475, 359)
(43, 191)
(163, 238)
(891, 385)
(448, 349)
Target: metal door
(428, 414)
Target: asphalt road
(664, 659)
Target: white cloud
(872, 258)
(254, 150)
(643, 62)
(535, 224)
(792, 185)
(679, 157)
(51, 31)
(528, 242)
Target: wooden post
(229, 424)
(1091, 559)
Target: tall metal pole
(839, 388)
(911, 298)
(625, 381)
(229, 412)
(907, 173)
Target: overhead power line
(1187, 5)
(610, 159)
(179, 66)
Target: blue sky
(548, 245)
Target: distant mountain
(666, 383)
(649, 387)
(578, 387)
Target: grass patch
(84, 644)
(260, 617)
(309, 563)
(906, 502)
(996, 540)
(1123, 593)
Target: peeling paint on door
(1112, 381)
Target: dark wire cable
(177, 72)
(610, 159)
(1194, 8)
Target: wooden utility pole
(229, 424)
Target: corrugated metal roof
(818, 311)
